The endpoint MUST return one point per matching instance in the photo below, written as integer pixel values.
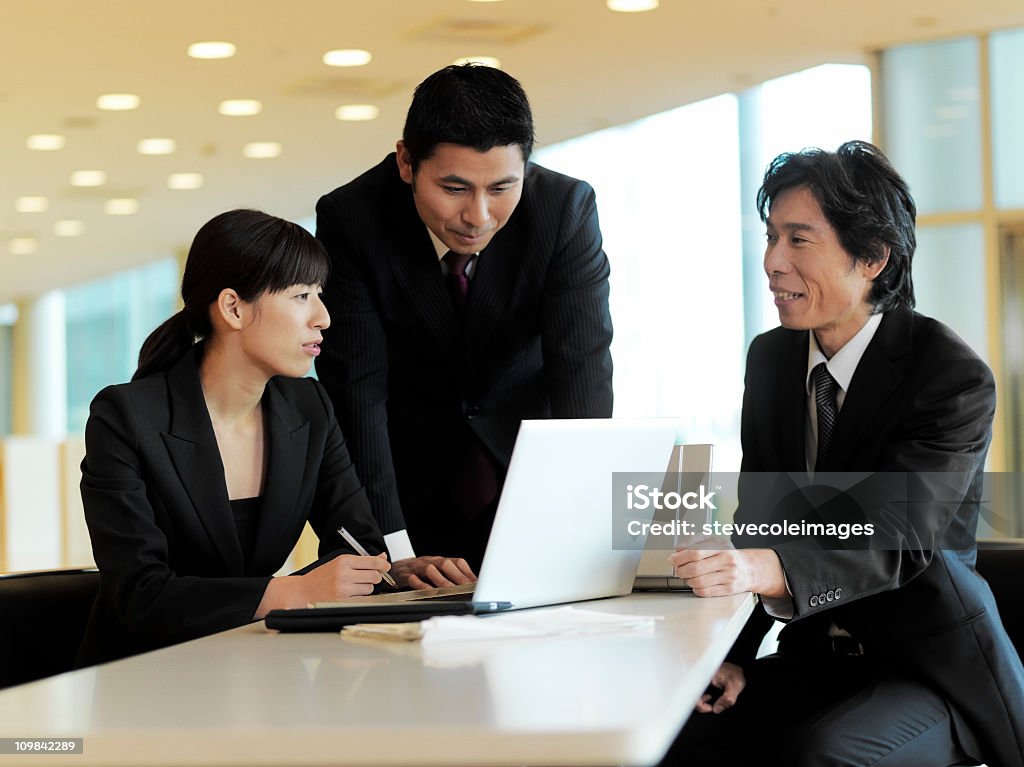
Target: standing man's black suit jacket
(920, 401)
(162, 530)
(406, 387)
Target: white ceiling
(583, 66)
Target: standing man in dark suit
(470, 291)
(892, 654)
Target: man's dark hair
(470, 105)
(866, 202)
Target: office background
(671, 113)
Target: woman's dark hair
(245, 250)
(867, 203)
(470, 105)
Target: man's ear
(404, 161)
(229, 308)
(872, 270)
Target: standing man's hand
(731, 680)
(432, 572)
(713, 568)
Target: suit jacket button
(814, 601)
(821, 598)
(839, 593)
(830, 596)
(472, 412)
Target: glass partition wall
(952, 118)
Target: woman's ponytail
(165, 346)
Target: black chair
(42, 620)
(1001, 563)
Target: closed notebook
(333, 618)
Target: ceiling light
(357, 112)
(240, 107)
(261, 150)
(631, 6)
(68, 228)
(88, 178)
(156, 146)
(347, 57)
(487, 61)
(121, 206)
(118, 102)
(212, 50)
(184, 180)
(45, 142)
(23, 246)
(31, 204)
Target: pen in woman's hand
(363, 552)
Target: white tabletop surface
(253, 697)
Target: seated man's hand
(431, 572)
(713, 568)
(731, 680)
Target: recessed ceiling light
(68, 228)
(487, 61)
(45, 142)
(31, 204)
(240, 107)
(184, 180)
(88, 178)
(212, 49)
(357, 112)
(156, 146)
(118, 102)
(261, 150)
(23, 246)
(121, 206)
(632, 6)
(347, 57)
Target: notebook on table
(688, 469)
(551, 541)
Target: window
(675, 193)
(8, 315)
(668, 197)
(107, 321)
(1007, 61)
(933, 124)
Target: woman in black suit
(200, 474)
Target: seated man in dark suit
(470, 291)
(894, 653)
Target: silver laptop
(688, 468)
(552, 536)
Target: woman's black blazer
(156, 503)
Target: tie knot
(457, 262)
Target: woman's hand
(431, 572)
(347, 575)
(343, 577)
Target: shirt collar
(844, 362)
(439, 246)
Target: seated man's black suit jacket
(920, 401)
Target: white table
(252, 697)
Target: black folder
(334, 618)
